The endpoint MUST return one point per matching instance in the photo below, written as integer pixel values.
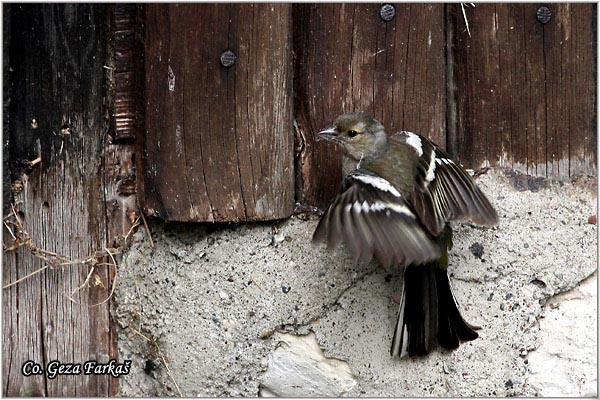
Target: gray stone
(566, 362)
(298, 368)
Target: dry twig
(462, 6)
(135, 224)
(21, 238)
(37, 271)
(114, 283)
(161, 356)
(147, 230)
(85, 283)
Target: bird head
(360, 136)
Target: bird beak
(327, 134)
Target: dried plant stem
(147, 229)
(162, 358)
(10, 230)
(51, 259)
(133, 226)
(36, 161)
(80, 288)
(462, 6)
(114, 283)
(37, 271)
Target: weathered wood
(6, 186)
(125, 70)
(127, 73)
(218, 142)
(349, 59)
(571, 68)
(57, 85)
(526, 90)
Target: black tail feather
(453, 328)
(428, 311)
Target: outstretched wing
(444, 191)
(374, 219)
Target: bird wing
(444, 190)
(373, 218)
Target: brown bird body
(394, 205)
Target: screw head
(228, 58)
(387, 12)
(543, 14)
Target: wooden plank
(127, 72)
(6, 184)
(218, 144)
(525, 90)
(57, 53)
(125, 79)
(571, 81)
(349, 59)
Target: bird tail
(428, 311)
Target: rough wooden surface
(219, 141)
(218, 144)
(57, 54)
(349, 59)
(125, 85)
(127, 72)
(526, 91)
(6, 184)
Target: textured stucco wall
(257, 308)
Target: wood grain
(349, 59)
(6, 183)
(127, 71)
(218, 143)
(525, 91)
(571, 65)
(57, 54)
(125, 85)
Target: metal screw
(543, 14)
(387, 12)
(228, 58)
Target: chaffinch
(397, 197)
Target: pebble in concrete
(566, 363)
(298, 368)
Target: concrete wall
(256, 309)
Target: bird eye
(352, 133)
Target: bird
(397, 198)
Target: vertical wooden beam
(127, 73)
(6, 184)
(569, 43)
(526, 89)
(125, 70)
(218, 144)
(57, 78)
(349, 59)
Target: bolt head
(228, 58)
(387, 12)
(543, 14)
